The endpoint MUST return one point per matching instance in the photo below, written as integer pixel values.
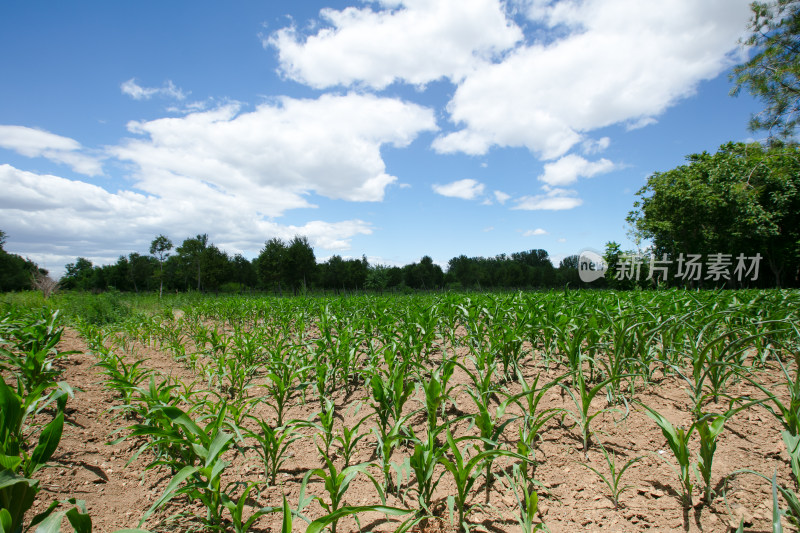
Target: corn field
(437, 412)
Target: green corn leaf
(48, 442)
(5, 521)
(79, 518)
(171, 490)
(776, 509)
(320, 523)
(218, 445)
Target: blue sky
(388, 128)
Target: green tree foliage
(743, 199)
(194, 258)
(243, 272)
(531, 268)
(425, 275)
(16, 272)
(299, 263)
(773, 73)
(269, 264)
(78, 275)
(343, 274)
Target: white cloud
(137, 92)
(58, 218)
(501, 197)
(640, 123)
(416, 41)
(594, 146)
(553, 200)
(569, 168)
(467, 189)
(32, 142)
(269, 159)
(534, 232)
(620, 61)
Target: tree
(193, 256)
(140, 269)
(299, 263)
(423, 275)
(16, 273)
(270, 263)
(242, 271)
(742, 200)
(773, 73)
(216, 268)
(159, 249)
(78, 275)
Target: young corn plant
(324, 428)
(284, 379)
(466, 470)
(527, 499)
(613, 479)
(491, 427)
(787, 412)
(201, 481)
(32, 357)
(423, 461)
(534, 419)
(336, 483)
(349, 438)
(709, 427)
(390, 392)
(678, 442)
(582, 396)
(123, 378)
(436, 393)
(386, 443)
(17, 489)
(272, 446)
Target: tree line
(288, 267)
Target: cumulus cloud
(137, 92)
(270, 158)
(618, 62)
(56, 216)
(553, 200)
(415, 41)
(467, 189)
(534, 232)
(569, 168)
(32, 142)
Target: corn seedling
(613, 479)
(466, 470)
(349, 438)
(582, 396)
(336, 483)
(678, 442)
(527, 499)
(272, 445)
(202, 481)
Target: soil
(572, 497)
